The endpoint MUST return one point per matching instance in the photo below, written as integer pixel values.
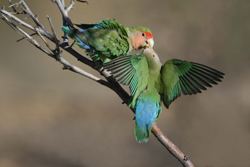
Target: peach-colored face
(142, 39)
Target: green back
(107, 25)
(179, 76)
(107, 37)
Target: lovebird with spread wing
(151, 83)
(109, 39)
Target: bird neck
(154, 64)
(131, 38)
(154, 76)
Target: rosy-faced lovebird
(151, 83)
(109, 39)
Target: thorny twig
(57, 54)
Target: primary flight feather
(151, 83)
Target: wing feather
(129, 70)
(179, 76)
(108, 38)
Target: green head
(153, 60)
(140, 28)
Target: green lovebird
(151, 83)
(109, 39)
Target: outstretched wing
(130, 70)
(179, 76)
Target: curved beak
(149, 43)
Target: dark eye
(153, 55)
(143, 34)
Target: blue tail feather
(74, 37)
(146, 112)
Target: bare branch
(72, 4)
(44, 40)
(15, 4)
(34, 18)
(63, 44)
(14, 9)
(64, 12)
(54, 35)
(57, 54)
(25, 37)
(66, 64)
(17, 20)
(175, 151)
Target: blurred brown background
(50, 117)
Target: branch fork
(56, 54)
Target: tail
(77, 35)
(145, 115)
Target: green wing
(108, 42)
(107, 25)
(179, 76)
(107, 37)
(130, 70)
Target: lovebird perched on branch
(151, 83)
(109, 39)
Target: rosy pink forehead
(148, 34)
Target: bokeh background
(51, 117)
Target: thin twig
(25, 37)
(15, 4)
(14, 9)
(56, 41)
(34, 18)
(64, 12)
(17, 19)
(29, 12)
(72, 4)
(44, 40)
(63, 44)
(57, 54)
(53, 31)
(66, 64)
